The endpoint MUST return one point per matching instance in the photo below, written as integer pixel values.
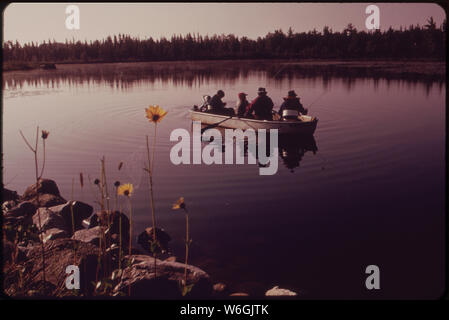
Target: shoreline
(421, 67)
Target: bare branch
(26, 141)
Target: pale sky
(37, 22)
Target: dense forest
(414, 42)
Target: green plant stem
(34, 150)
(108, 216)
(43, 161)
(150, 174)
(187, 248)
(130, 235)
(73, 222)
(120, 241)
(130, 224)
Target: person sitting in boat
(206, 103)
(218, 106)
(291, 107)
(242, 105)
(262, 106)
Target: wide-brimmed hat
(261, 90)
(292, 93)
(242, 94)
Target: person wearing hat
(291, 107)
(262, 106)
(242, 105)
(218, 106)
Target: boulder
(8, 205)
(171, 259)
(54, 233)
(47, 200)
(45, 195)
(49, 220)
(239, 294)
(92, 236)
(44, 186)
(276, 292)
(146, 237)
(220, 289)
(112, 219)
(8, 195)
(59, 254)
(165, 283)
(80, 211)
(25, 208)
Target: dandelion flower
(125, 190)
(45, 134)
(155, 113)
(180, 204)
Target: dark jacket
(262, 107)
(216, 103)
(291, 104)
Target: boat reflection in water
(291, 147)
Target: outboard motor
(290, 114)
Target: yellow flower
(125, 190)
(155, 113)
(180, 204)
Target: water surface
(368, 188)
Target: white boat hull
(306, 126)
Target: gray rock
(49, 220)
(8, 205)
(54, 233)
(45, 186)
(59, 254)
(80, 211)
(45, 195)
(171, 259)
(25, 208)
(165, 283)
(8, 195)
(239, 294)
(111, 219)
(277, 292)
(220, 290)
(48, 200)
(146, 237)
(88, 235)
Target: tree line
(414, 42)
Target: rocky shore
(77, 242)
(74, 235)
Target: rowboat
(304, 125)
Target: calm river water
(368, 188)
